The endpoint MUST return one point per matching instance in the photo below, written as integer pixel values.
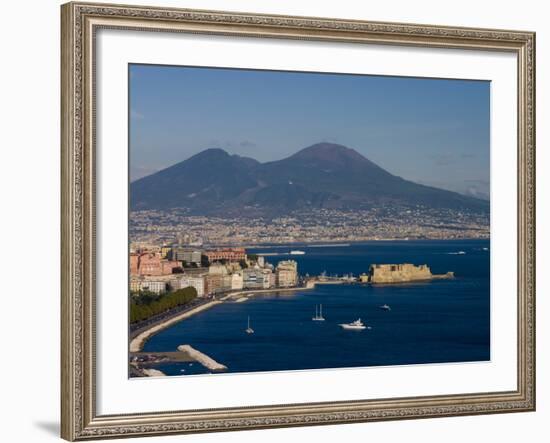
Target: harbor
(396, 318)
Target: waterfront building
(253, 278)
(261, 261)
(266, 273)
(272, 279)
(228, 254)
(237, 281)
(287, 273)
(185, 281)
(364, 278)
(214, 283)
(139, 284)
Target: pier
(201, 358)
(242, 295)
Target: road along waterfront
(137, 342)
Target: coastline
(136, 344)
(343, 242)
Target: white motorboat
(355, 325)
(296, 252)
(249, 330)
(318, 314)
(385, 307)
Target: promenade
(136, 344)
(187, 352)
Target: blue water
(433, 322)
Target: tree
(140, 311)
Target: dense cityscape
(156, 227)
(170, 268)
(173, 250)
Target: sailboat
(249, 330)
(318, 314)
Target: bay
(441, 321)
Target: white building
(237, 281)
(186, 281)
(155, 285)
(287, 273)
(253, 278)
(267, 278)
(217, 269)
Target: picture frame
(80, 24)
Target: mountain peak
(323, 175)
(329, 152)
(212, 152)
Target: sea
(441, 321)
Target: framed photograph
(277, 221)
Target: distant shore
(338, 243)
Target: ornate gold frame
(79, 23)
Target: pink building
(134, 263)
(151, 263)
(168, 266)
(229, 254)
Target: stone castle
(406, 272)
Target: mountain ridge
(323, 175)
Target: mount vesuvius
(324, 175)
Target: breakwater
(249, 292)
(203, 359)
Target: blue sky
(431, 131)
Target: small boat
(296, 252)
(318, 314)
(356, 325)
(385, 307)
(249, 330)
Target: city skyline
(430, 131)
